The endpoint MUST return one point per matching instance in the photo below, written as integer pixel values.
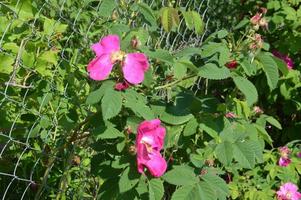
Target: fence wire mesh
(35, 114)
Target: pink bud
(232, 64)
(121, 86)
(230, 115)
(255, 19)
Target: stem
(175, 82)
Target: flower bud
(257, 110)
(255, 19)
(132, 150)
(263, 23)
(232, 64)
(121, 86)
(135, 43)
(263, 10)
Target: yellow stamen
(117, 56)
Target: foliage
(65, 136)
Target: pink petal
(100, 67)
(156, 165)
(134, 66)
(106, 45)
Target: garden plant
(150, 99)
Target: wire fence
(36, 114)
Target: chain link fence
(37, 120)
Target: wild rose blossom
(284, 159)
(108, 53)
(285, 58)
(288, 191)
(149, 142)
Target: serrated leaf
(111, 104)
(166, 19)
(110, 133)
(264, 134)
(224, 152)
(198, 23)
(211, 71)
(191, 127)
(247, 88)
(135, 102)
(156, 189)
(106, 8)
(148, 13)
(160, 54)
(179, 70)
(180, 175)
(95, 96)
(188, 19)
(270, 69)
(187, 192)
(175, 17)
(274, 122)
(128, 180)
(244, 155)
(281, 65)
(218, 184)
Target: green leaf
(187, 192)
(244, 154)
(95, 96)
(217, 184)
(281, 65)
(128, 180)
(173, 119)
(179, 70)
(264, 134)
(198, 23)
(211, 71)
(224, 152)
(156, 189)
(270, 68)
(110, 133)
(188, 19)
(222, 33)
(111, 104)
(274, 122)
(137, 104)
(106, 8)
(148, 13)
(50, 57)
(160, 54)
(6, 64)
(247, 88)
(180, 175)
(191, 127)
(248, 67)
(166, 19)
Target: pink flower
(108, 53)
(299, 155)
(149, 142)
(288, 191)
(284, 162)
(257, 110)
(284, 159)
(230, 115)
(285, 58)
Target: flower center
(288, 195)
(117, 56)
(147, 145)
